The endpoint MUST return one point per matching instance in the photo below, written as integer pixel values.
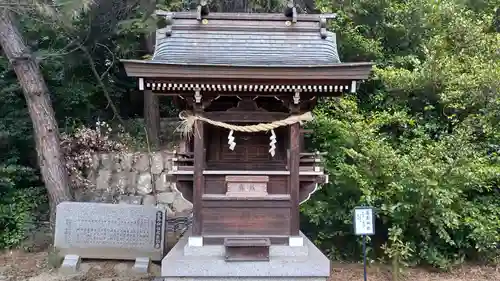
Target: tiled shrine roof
(246, 40)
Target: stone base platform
(271, 278)
(287, 263)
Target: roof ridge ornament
(322, 28)
(291, 11)
(304, 17)
(168, 20)
(202, 10)
(168, 28)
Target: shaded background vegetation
(420, 141)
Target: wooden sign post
(364, 224)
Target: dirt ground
(348, 272)
(23, 266)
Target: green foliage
(420, 140)
(20, 201)
(435, 199)
(57, 34)
(15, 126)
(21, 197)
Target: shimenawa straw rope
(188, 120)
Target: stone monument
(109, 231)
(246, 83)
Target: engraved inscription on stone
(97, 230)
(242, 186)
(158, 229)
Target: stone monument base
(286, 263)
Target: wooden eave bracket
(296, 97)
(197, 96)
(141, 84)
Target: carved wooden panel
(216, 184)
(247, 179)
(270, 165)
(246, 186)
(257, 204)
(250, 153)
(307, 189)
(219, 240)
(246, 221)
(186, 189)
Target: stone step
(247, 249)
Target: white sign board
(364, 221)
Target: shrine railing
(311, 161)
(310, 164)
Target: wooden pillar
(152, 118)
(199, 166)
(294, 179)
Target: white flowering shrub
(81, 146)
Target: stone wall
(134, 178)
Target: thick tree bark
(152, 118)
(37, 97)
(151, 102)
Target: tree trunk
(152, 118)
(37, 97)
(151, 102)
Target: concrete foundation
(287, 263)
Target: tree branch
(111, 64)
(101, 84)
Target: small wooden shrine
(246, 83)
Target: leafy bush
(436, 200)
(419, 142)
(21, 201)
